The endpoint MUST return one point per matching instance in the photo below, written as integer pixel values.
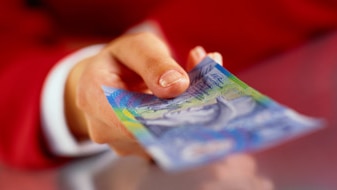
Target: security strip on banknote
(218, 115)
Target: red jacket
(33, 39)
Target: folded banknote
(217, 115)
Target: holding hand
(137, 62)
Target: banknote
(218, 115)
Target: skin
(139, 62)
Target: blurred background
(301, 75)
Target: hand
(236, 172)
(138, 62)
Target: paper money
(218, 115)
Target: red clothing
(244, 31)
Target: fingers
(119, 65)
(118, 137)
(216, 57)
(197, 54)
(149, 57)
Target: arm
(22, 143)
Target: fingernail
(170, 77)
(199, 52)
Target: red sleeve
(26, 58)
(21, 137)
(244, 31)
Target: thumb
(149, 57)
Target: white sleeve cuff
(54, 124)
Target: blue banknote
(218, 115)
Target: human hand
(236, 172)
(138, 62)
